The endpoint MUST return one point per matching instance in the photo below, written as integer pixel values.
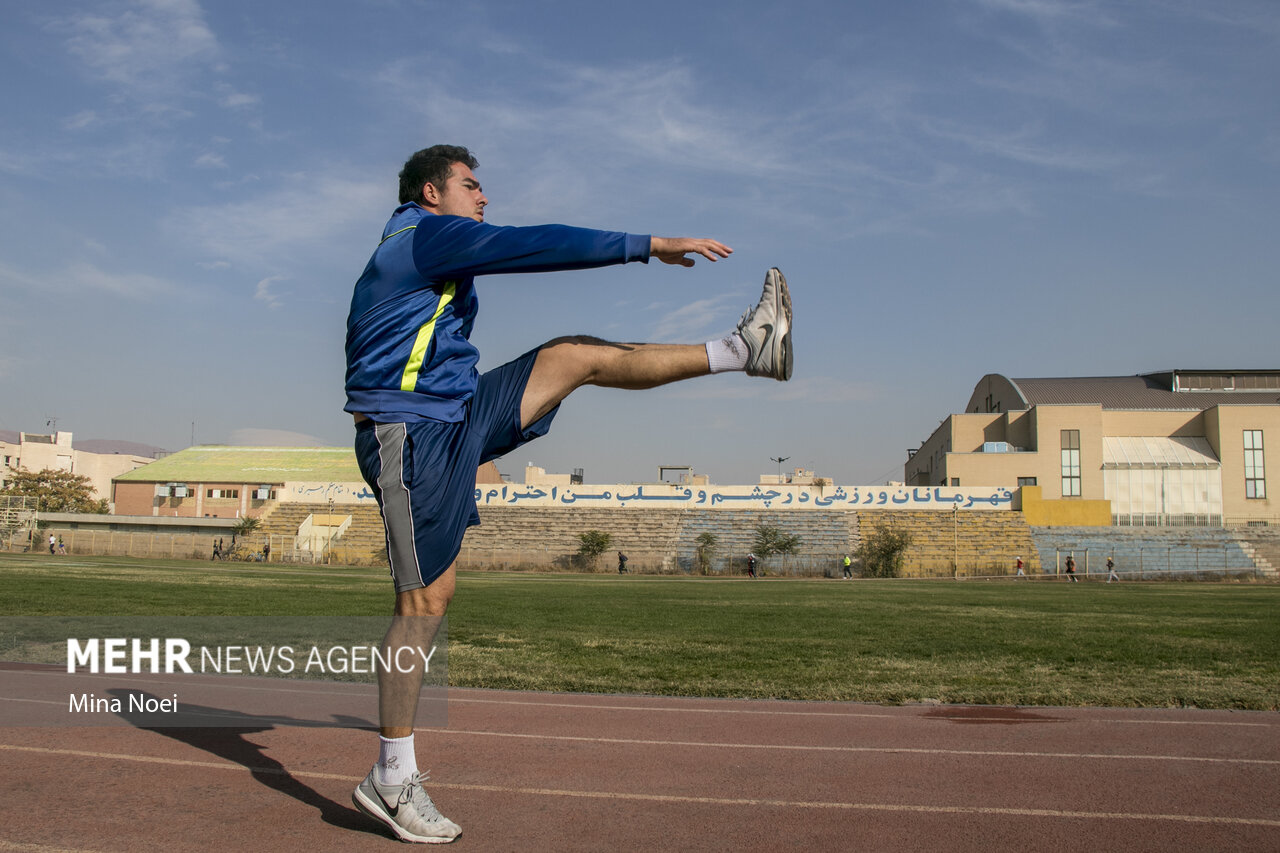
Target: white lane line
(449, 697)
(26, 847)
(875, 807)
(849, 750)
(1030, 709)
(677, 799)
(887, 750)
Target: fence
(1137, 561)
(173, 546)
(1158, 562)
(656, 562)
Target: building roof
(1158, 452)
(1148, 391)
(263, 465)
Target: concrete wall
(134, 498)
(1226, 434)
(1074, 512)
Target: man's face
(460, 195)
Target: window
(1071, 463)
(1255, 479)
(222, 493)
(1026, 481)
(955, 481)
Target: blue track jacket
(409, 356)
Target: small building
(100, 462)
(1168, 448)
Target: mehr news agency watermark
(172, 655)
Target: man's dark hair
(431, 166)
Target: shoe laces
(420, 799)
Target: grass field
(1043, 643)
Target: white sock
(728, 353)
(396, 759)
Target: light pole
(779, 460)
(955, 541)
(328, 551)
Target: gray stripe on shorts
(397, 510)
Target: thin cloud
(302, 217)
(699, 318)
(1027, 146)
(144, 47)
(236, 100)
(823, 390)
(81, 278)
(266, 291)
(211, 161)
(1050, 12)
(81, 120)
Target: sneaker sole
(371, 809)
(783, 348)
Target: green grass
(1153, 645)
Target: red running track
(555, 772)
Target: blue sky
(953, 188)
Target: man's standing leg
(393, 793)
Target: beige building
(219, 481)
(33, 452)
(1177, 447)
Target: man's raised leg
(761, 345)
(568, 363)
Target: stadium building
(1179, 447)
(99, 461)
(216, 481)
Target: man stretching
(426, 418)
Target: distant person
(62, 546)
(217, 550)
(1021, 573)
(53, 543)
(266, 552)
(1071, 569)
(1111, 571)
(751, 565)
(848, 567)
(622, 563)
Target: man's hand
(672, 250)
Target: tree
(593, 544)
(881, 553)
(246, 525)
(771, 540)
(706, 549)
(55, 491)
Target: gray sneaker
(766, 330)
(406, 808)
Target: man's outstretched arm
(673, 250)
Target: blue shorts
(424, 473)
